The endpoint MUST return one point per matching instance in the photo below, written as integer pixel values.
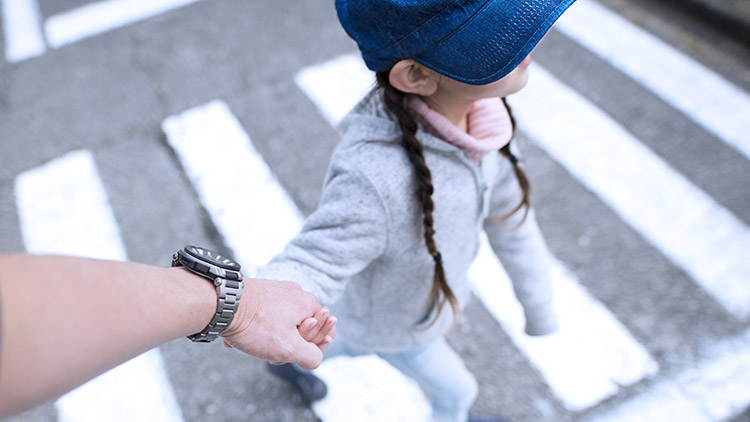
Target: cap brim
(477, 56)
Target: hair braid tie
(512, 157)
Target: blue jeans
(438, 370)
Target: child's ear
(413, 78)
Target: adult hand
(273, 322)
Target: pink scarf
(490, 127)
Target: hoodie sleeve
(523, 252)
(340, 238)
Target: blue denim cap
(471, 41)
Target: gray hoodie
(362, 251)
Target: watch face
(212, 257)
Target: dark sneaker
(308, 386)
(480, 418)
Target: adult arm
(65, 320)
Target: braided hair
(523, 181)
(441, 291)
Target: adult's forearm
(66, 320)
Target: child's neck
(456, 111)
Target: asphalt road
(109, 94)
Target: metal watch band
(229, 293)
(225, 275)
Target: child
(413, 182)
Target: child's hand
(320, 329)
(541, 324)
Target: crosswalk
(63, 207)
(27, 35)
(707, 98)
(714, 390)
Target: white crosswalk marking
(256, 224)
(222, 163)
(628, 365)
(102, 16)
(137, 390)
(704, 96)
(715, 390)
(23, 30)
(589, 359)
(63, 209)
(687, 225)
(336, 85)
(27, 34)
(368, 389)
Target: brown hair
(441, 291)
(523, 181)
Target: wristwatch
(225, 275)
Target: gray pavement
(729, 16)
(110, 93)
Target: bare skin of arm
(65, 320)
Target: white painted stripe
(621, 360)
(704, 239)
(102, 16)
(717, 389)
(252, 212)
(592, 355)
(138, 390)
(368, 389)
(23, 31)
(701, 94)
(336, 85)
(257, 219)
(63, 209)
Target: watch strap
(229, 293)
(228, 284)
